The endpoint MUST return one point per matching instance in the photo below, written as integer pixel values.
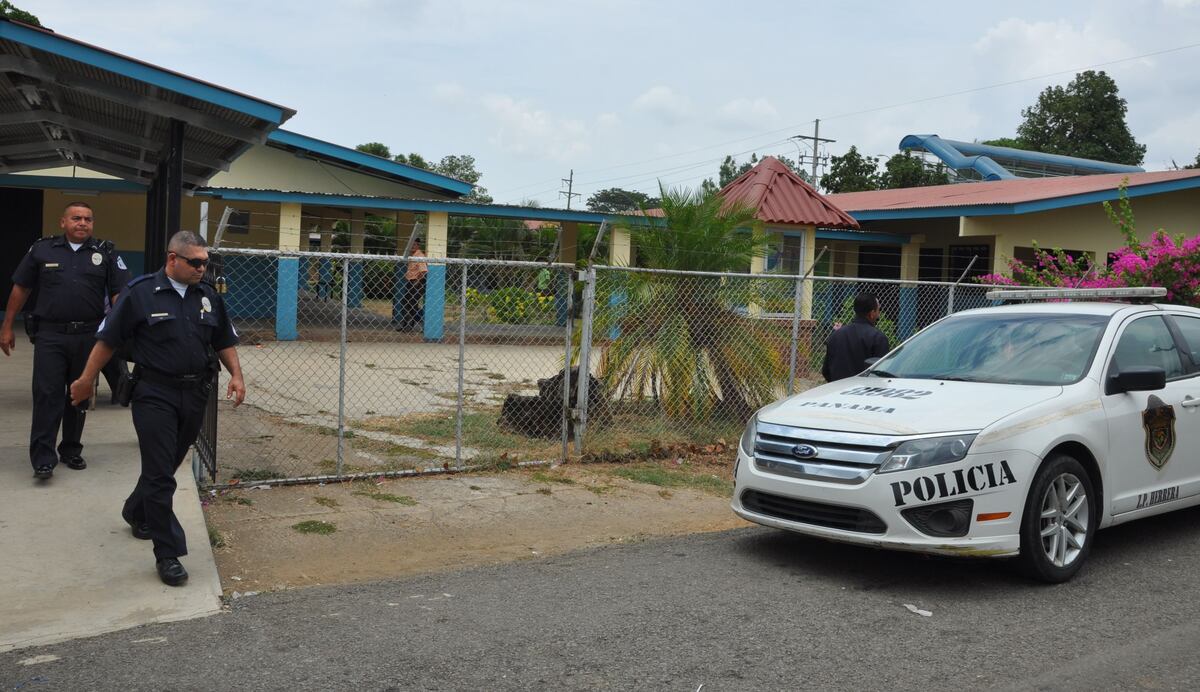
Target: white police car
(1009, 431)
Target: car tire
(1062, 513)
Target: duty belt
(176, 381)
(69, 327)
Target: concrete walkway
(68, 564)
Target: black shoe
(76, 463)
(43, 472)
(171, 572)
(140, 531)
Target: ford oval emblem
(804, 451)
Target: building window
(239, 223)
(960, 259)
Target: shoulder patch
(140, 279)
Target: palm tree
(686, 341)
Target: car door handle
(1190, 402)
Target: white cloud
(449, 92)
(745, 113)
(664, 103)
(524, 129)
(1181, 4)
(1016, 48)
(608, 121)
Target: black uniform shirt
(168, 333)
(71, 284)
(848, 348)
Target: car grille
(815, 513)
(845, 458)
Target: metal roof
(778, 195)
(368, 163)
(1013, 196)
(65, 102)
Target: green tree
(375, 149)
(615, 199)
(415, 160)
(685, 342)
(906, 170)
(1084, 119)
(1010, 142)
(1196, 164)
(852, 172)
(9, 11)
(731, 170)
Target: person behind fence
(177, 329)
(414, 289)
(848, 348)
(74, 275)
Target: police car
(1012, 431)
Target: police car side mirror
(1137, 378)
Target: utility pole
(570, 182)
(816, 144)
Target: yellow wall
(119, 217)
(1086, 228)
(268, 168)
(264, 221)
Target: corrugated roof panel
(998, 191)
(780, 196)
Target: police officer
(74, 275)
(177, 328)
(849, 347)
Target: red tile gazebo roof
(779, 196)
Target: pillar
(910, 264)
(808, 255)
(287, 273)
(620, 248)
(437, 237)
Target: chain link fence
(362, 365)
(684, 358)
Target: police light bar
(1076, 293)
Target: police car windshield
(1037, 349)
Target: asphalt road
(750, 609)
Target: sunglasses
(193, 262)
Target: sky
(634, 93)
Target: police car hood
(904, 407)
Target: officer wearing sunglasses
(177, 329)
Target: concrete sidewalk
(68, 564)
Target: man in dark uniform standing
(75, 275)
(177, 329)
(848, 348)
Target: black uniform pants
(58, 360)
(167, 421)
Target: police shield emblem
(1159, 422)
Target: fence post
(462, 347)
(566, 397)
(950, 304)
(342, 371)
(585, 347)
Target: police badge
(1159, 421)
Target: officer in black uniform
(177, 329)
(74, 275)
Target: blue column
(908, 312)
(286, 298)
(562, 285)
(435, 302)
(617, 302)
(354, 295)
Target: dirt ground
(279, 537)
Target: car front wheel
(1061, 516)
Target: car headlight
(927, 451)
(748, 436)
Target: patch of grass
(238, 500)
(480, 431)
(474, 487)
(253, 475)
(326, 502)
(671, 478)
(666, 494)
(387, 497)
(323, 528)
(544, 477)
(495, 376)
(601, 489)
(544, 491)
(215, 539)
